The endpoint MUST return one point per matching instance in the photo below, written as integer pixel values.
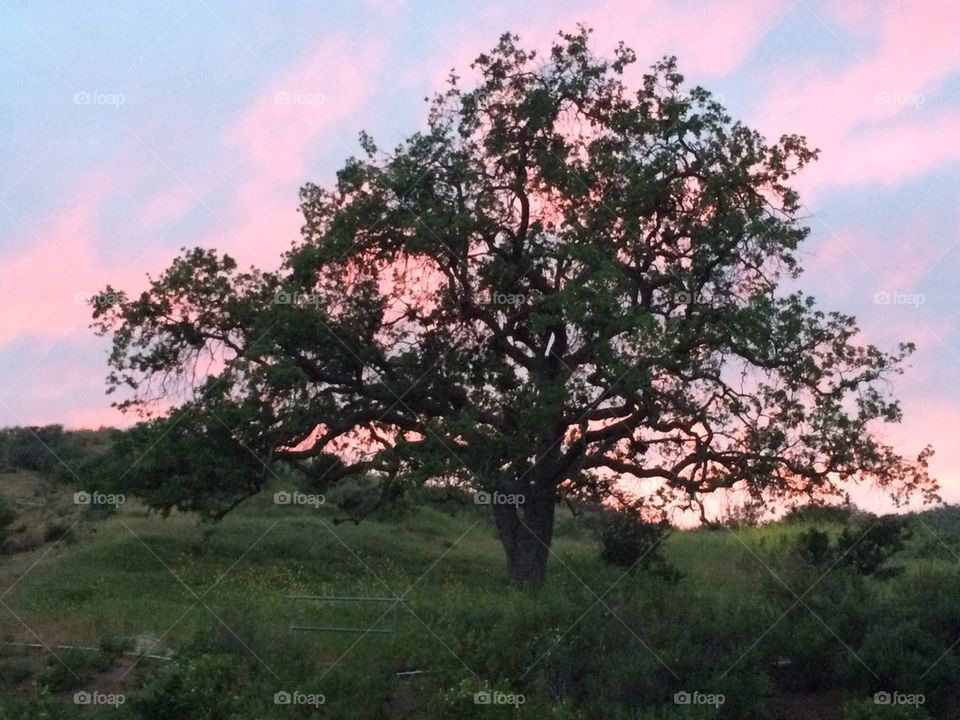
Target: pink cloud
(47, 285)
(931, 419)
(858, 260)
(166, 207)
(852, 16)
(720, 40)
(311, 107)
(94, 418)
(723, 35)
(873, 120)
(41, 284)
(892, 154)
(306, 104)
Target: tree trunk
(526, 531)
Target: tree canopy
(563, 287)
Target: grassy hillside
(187, 620)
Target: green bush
(867, 545)
(628, 541)
(193, 688)
(813, 546)
(819, 514)
(7, 515)
(58, 532)
(40, 705)
(71, 667)
(14, 671)
(357, 496)
(35, 448)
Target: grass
(181, 587)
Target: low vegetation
(828, 613)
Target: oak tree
(568, 285)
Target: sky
(130, 130)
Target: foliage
(40, 705)
(593, 642)
(626, 540)
(191, 688)
(71, 666)
(35, 448)
(813, 545)
(7, 515)
(357, 496)
(821, 513)
(747, 513)
(865, 545)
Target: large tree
(562, 287)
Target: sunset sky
(130, 130)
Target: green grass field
(594, 638)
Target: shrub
(748, 513)
(627, 541)
(35, 448)
(40, 705)
(15, 671)
(867, 545)
(113, 646)
(821, 514)
(813, 545)
(357, 496)
(58, 532)
(68, 670)
(7, 515)
(864, 545)
(192, 688)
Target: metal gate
(299, 602)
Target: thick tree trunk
(526, 531)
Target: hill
(808, 617)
